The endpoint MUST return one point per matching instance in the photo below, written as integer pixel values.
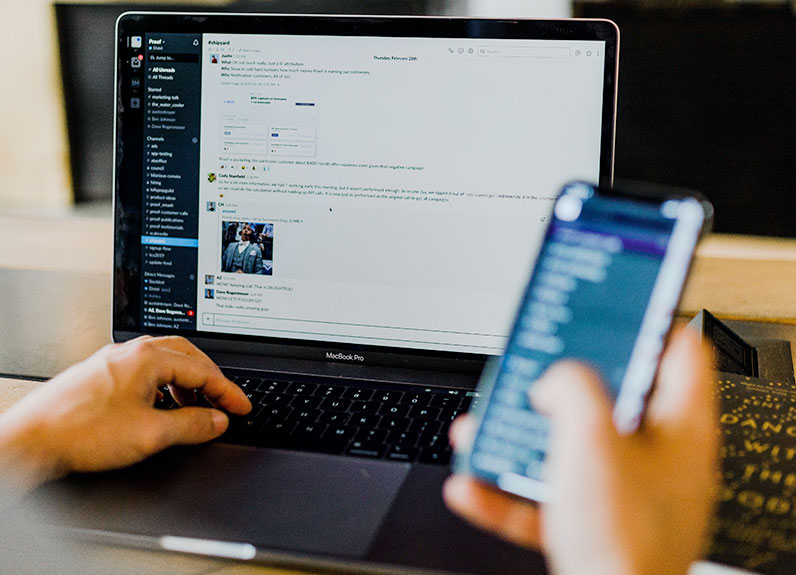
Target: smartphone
(604, 289)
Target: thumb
(683, 401)
(574, 397)
(190, 425)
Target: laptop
(342, 212)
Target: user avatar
(211, 177)
(210, 278)
(214, 58)
(211, 206)
(210, 293)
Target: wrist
(28, 451)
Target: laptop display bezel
(127, 190)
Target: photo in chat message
(247, 247)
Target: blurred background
(706, 96)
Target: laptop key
(424, 426)
(419, 412)
(306, 414)
(371, 435)
(402, 453)
(276, 428)
(309, 430)
(302, 388)
(277, 399)
(256, 397)
(306, 402)
(328, 391)
(440, 456)
(276, 412)
(444, 400)
(270, 386)
(466, 403)
(368, 420)
(449, 415)
(334, 417)
(338, 432)
(371, 449)
(364, 406)
(434, 440)
(335, 404)
(165, 401)
(358, 393)
(241, 425)
(249, 383)
(405, 438)
(419, 399)
(394, 410)
(393, 423)
(388, 396)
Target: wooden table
(737, 278)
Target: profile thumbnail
(247, 248)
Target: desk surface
(736, 278)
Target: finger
(188, 426)
(489, 509)
(182, 345)
(183, 396)
(175, 368)
(683, 397)
(572, 394)
(462, 432)
(581, 426)
(178, 344)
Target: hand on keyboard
(100, 414)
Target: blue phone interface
(586, 299)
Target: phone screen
(604, 290)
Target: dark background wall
(707, 100)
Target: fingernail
(220, 421)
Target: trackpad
(275, 499)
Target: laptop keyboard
(377, 421)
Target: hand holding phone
(604, 290)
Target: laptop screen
(364, 183)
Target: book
(754, 526)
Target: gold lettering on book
(755, 524)
(774, 427)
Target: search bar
(523, 52)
